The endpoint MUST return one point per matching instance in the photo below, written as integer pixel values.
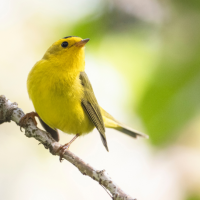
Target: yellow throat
(55, 88)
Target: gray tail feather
(131, 132)
(54, 132)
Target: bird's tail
(111, 122)
(129, 131)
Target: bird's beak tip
(82, 42)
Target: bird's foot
(62, 150)
(64, 147)
(26, 117)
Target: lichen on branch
(10, 112)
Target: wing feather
(92, 108)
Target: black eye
(64, 44)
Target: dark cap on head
(69, 37)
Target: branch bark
(10, 112)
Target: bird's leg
(26, 117)
(64, 147)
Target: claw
(26, 117)
(64, 147)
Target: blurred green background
(143, 62)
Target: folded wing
(92, 108)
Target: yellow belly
(59, 104)
(65, 115)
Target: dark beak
(82, 43)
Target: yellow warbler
(62, 94)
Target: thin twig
(10, 112)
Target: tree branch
(10, 111)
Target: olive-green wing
(91, 106)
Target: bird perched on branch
(63, 97)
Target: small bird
(63, 97)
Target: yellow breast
(56, 96)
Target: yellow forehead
(71, 40)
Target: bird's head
(68, 51)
